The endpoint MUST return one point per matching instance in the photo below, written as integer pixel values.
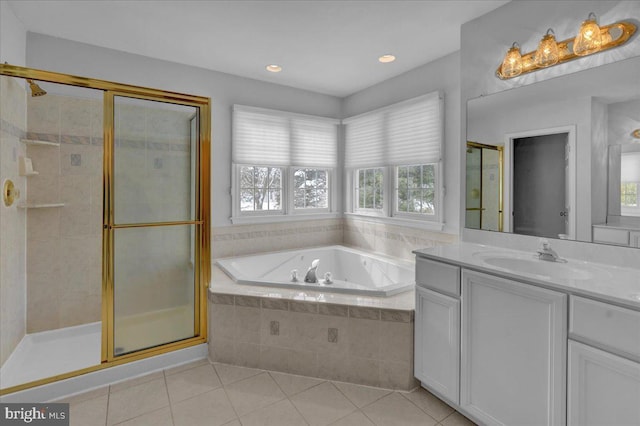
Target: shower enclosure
(104, 242)
(484, 187)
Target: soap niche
(25, 168)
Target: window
(629, 194)
(260, 188)
(370, 189)
(416, 190)
(395, 152)
(630, 183)
(311, 188)
(283, 163)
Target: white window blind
(408, 132)
(630, 168)
(278, 138)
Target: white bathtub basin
(352, 271)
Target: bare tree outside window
(260, 188)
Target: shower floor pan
(49, 353)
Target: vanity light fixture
(547, 53)
(636, 133)
(273, 68)
(551, 52)
(385, 59)
(589, 38)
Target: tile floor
(214, 394)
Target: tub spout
(311, 276)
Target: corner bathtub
(352, 271)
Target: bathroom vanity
(509, 339)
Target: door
(437, 342)
(603, 388)
(539, 203)
(513, 352)
(154, 225)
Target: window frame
(287, 212)
(355, 194)
(435, 217)
(627, 210)
(311, 210)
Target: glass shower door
(154, 225)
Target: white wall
(55, 54)
(442, 74)
(13, 37)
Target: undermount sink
(531, 265)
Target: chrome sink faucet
(545, 252)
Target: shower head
(35, 89)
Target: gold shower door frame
(201, 220)
(500, 150)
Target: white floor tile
(137, 400)
(192, 382)
(429, 403)
(292, 384)
(208, 409)
(282, 413)
(253, 393)
(395, 410)
(232, 373)
(322, 404)
(359, 395)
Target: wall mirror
(570, 164)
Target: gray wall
(442, 74)
(55, 54)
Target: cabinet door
(437, 342)
(604, 389)
(513, 351)
(634, 239)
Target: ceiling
(329, 47)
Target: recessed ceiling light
(386, 58)
(273, 68)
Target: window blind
(408, 132)
(278, 138)
(630, 167)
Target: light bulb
(548, 52)
(589, 39)
(512, 63)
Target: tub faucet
(311, 276)
(545, 252)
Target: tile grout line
(422, 409)
(106, 415)
(288, 397)
(224, 389)
(166, 386)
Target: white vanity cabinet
(604, 372)
(437, 328)
(513, 351)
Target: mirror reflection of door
(484, 187)
(539, 203)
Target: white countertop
(222, 283)
(616, 226)
(608, 283)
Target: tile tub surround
(391, 239)
(239, 240)
(358, 344)
(13, 221)
(204, 393)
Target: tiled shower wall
(64, 243)
(13, 284)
